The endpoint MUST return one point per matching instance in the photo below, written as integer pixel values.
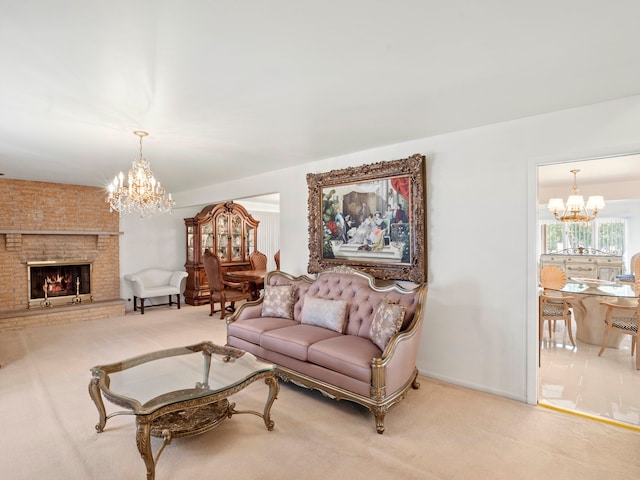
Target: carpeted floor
(438, 432)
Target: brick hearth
(47, 221)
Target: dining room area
(588, 362)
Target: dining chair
(623, 319)
(258, 260)
(634, 264)
(276, 258)
(552, 278)
(222, 290)
(553, 305)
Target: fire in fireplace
(57, 282)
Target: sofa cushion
(324, 313)
(347, 354)
(251, 329)
(295, 340)
(386, 322)
(278, 301)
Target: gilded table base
(185, 418)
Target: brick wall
(48, 221)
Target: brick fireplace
(57, 224)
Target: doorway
(576, 378)
(265, 209)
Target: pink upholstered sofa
(319, 334)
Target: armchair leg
(142, 306)
(178, 300)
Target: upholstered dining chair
(258, 261)
(553, 305)
(624, 319)
(222, 290)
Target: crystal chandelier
(142, 193)
(575, 210)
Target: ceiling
(231, 88)
(622, 168)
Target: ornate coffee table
(179, 392)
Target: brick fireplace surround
(56, 222)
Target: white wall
(480, 317)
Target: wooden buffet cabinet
(227, 230)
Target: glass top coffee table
(179, 392)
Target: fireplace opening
(58, 281)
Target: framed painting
(370, 217)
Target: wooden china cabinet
(227, 230)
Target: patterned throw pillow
(324, 313)
(278, 301)
(386, 323)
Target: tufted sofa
(319, 334)
(156, 282)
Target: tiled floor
(575, 378)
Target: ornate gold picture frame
(370, 217)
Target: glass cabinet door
(249, 246)
(190, 243)
(236, 238)
(206, 237)
(222, 239)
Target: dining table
(588, 311)
(255, 279)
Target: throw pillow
(278, 301)
(386, 322)
(324, 313)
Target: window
(608, 235)
(611, 235)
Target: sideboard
(602, 266)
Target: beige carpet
(438, 432)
